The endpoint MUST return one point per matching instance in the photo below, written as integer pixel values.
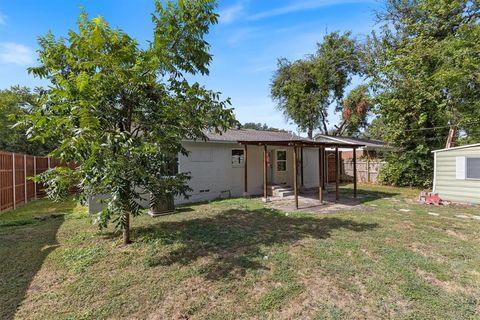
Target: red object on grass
(432, 198)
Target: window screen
(238, 158)
(473, 168)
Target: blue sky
(246, 43)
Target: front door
(280, 166)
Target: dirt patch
(323, 291)
(444, 285)
(456, 234)
(287, 204)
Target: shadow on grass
(365, 193)
(234, 239)
(22, 251)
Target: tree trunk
(126, 230)
(310, 133)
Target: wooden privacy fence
(15, 187)
(367, 170)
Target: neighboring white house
(371, 149)
(457, 174)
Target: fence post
(48, 160)
(34, 175)
(25, 177)
(13, 178)
(368, 170)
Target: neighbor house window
(281, 160)
(472, 167)
(238, 159)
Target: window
(281, 160)
(168, 165)
(468, 168)
(472, 168)
(238, 159)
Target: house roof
(459, 147)
(234, 135)
(368, 143)
(284, 138)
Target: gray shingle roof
(252, 135)
(369, 143)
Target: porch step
(280, 190)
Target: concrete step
(277, 186)
(286, 193)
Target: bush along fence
(15, 186)
(367, 170)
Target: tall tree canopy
(259, 126)
(355, 108)
(425, 66)
(305, 89)
(15, 103)
(121, 110)
(295, 90)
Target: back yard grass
(232, 259)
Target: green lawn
(236, 259)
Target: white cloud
(300, 6)
(230, 14)
(240, 35)
(3, 19)
(15, 53)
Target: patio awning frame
(301, 143)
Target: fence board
(15, 169)
(6, 181)
(30, 173)
(367, 170)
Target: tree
(295, 90)
(425, 70)
(305, 89)
(259, 126)
(355, 109)
(14, 103)
(121, 111)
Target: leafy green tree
(425, 70)
(259, 126)
(305, 89)
(338, 58)
(121, 110)
(355, 109)
(15, 103)
(295, 90)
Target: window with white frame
(468, 168)
(281, 160)
(472, 166)
(238, 158)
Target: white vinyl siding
(452, 172)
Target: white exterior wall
(213, 175)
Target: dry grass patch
(237, 259)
